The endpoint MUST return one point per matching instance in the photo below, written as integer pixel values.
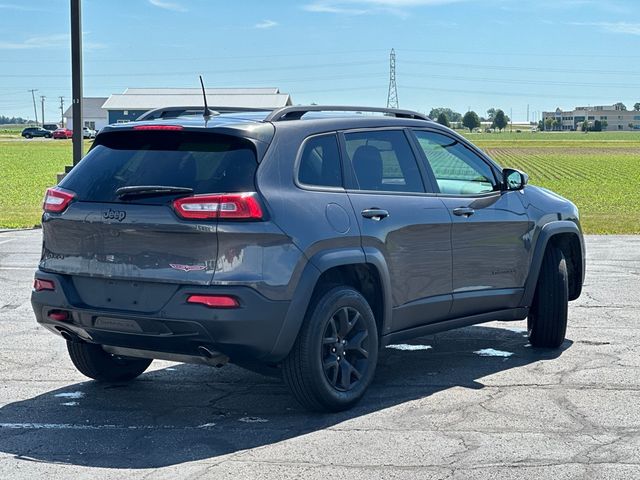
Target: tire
(28, 136)
(91, 360)
(547, 320)
(334, 358)
(47, 136)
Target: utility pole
(392, 98)
(511, 120)
(33, 96)
(61, 111)
(527, 113)
(76, 78)
(42, 98)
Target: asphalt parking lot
(467, 404)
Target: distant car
(88, 132)
(51, 126)
(63, 133)
(36, 132)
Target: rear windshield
(205, 162)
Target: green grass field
(599, 172)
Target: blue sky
(458, 53)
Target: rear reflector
(40, 285)
(229, 206)
(58, 315)
(172, 128)
(214, 301)
(56, 200)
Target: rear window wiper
(150, 190)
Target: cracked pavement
(438, 413)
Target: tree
(597, 126)
(500, 120)
(605, 124)
(636, 106)
(491, 114)
(451, 115)
(620, 106)
(443, 120)
(548, 123)
(471, 120)
(585, 126)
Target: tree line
(12, 120)
(445, 116)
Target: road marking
(75, 426)
(69, 395)
(490, 352)
(408, 347)
(253, 420)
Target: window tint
(320, 162)
(207, 163)
(457, 169)
(383, 161)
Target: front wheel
(92, 361)
(547, 320)
(334, 358)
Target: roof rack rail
(296, 112)
(174, 112)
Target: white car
(88, 133)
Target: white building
(128, 106)
(93, 116)
(611, 118)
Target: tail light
(214, 301)
(244, 206)
(40, 285)
(56, 200)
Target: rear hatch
(142, 206)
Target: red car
(63, 133)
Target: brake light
(57, 200)
(159, 127)
(214, 301)
(228, 205)
(40, 285)
(59, 315)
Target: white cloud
(59, 40)
(176, 7)
(361, 7)
(613, 27)
(266, 24)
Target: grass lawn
(599, 172)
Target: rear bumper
(249, 332)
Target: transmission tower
(392, 99)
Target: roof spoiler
(296, 112)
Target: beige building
(611, 118)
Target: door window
(457, 170)
(383, 161)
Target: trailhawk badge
(187, 268)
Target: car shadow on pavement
(185, 413)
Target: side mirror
(514, 179)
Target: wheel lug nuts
(339, 358)
(333, 350)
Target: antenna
(207, 112)
(392, 99)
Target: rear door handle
(376, 214)
(463, 211)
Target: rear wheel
(28, 136)
(547, 320)
(334, 358)
(92, 361)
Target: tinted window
(320, 162)
(383, 160)
(457, 169)
(207, 163)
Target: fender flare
(315, 267)
(547, 232)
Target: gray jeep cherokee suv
(297, 242)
